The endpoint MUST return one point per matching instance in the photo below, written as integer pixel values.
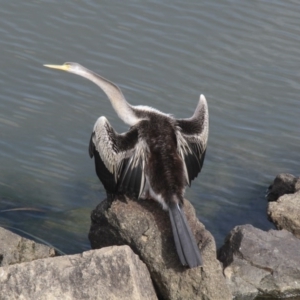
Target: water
(244, 56)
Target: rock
(283, 184)
(146, 228)
(109, 273)
(285, 213)
(16, 249)
(261, 264)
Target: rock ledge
(109, 273)
(146, 228)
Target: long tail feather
(185, 242)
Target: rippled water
(243, 55)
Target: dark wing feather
(192, 137)
(130, 178)
(118, 159)
(194, 162)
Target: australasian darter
(157, 157)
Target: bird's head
(69, 67)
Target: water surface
(243, 56)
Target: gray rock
(109, 273)
(146, 228)
(283, 184)
(261, 264)
(285, 213)
(16, 249)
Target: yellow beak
(63, 67)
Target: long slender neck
(124, 110)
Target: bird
(157, 158)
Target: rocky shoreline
(134, 257)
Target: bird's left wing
(119, 158)
(192, 135)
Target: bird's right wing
(192, 135)
(119, 158)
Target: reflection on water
(244, 57)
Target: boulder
(16, 249)
(283, 184)
(146, 228)
(285, 213)
(109, 273)
(261, 264)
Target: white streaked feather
(183, 149)
(113, 157)
(143, 179)
(198, 139)
(105, 146)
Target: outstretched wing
(119, 159)
(192, 135)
